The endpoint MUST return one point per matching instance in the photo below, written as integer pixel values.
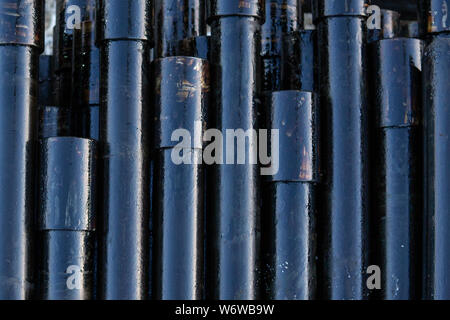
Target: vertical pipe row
(344, 240)
(21, 41)
(234, 200)
(397, 83)
(182, 90)
(123, 35)
(67, 218)
(289, 236)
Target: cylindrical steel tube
(434, 16)
(176, 20)
(198, 47)
(299, 61)
(182, 91)
(344, 240)
(178, 229)
(289, 235)
(436, 103)
(67, 218)
(234, 202)
(68, 18)
(282, 17)
(389, 26)
(86, 77)
(20, 42)
(22, 23)
(410, 29)
(54, 121)
(397, 65)
(124, 133)
(45, 80)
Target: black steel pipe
(182, 91)
(434, 16)
(86, 77)
(389, 26)
(198, 47)
(87, 122)
(67, 19)
(436, 102)
(124, 35)
(54, 121)
(46, 80)
(67, 218)
(20, 42)
(176, 20)
(344, 242)
(281, 17)
(299, 61)
(234, 200)
(178, 230)
(22, 23)
(289, 234)
(410, 29)
(397, 83)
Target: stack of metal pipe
(225, 150)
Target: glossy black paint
(178, 229)
(271, 73)
(436, 102)
(86, 77)
(407, 8)
(67, 214)
(282, 16)
(176, 20)
(390, 27)
(87, 122)
(396, 72)
(410, 29)
(22, 23)
(333, 8)
(289, 235)
(294, 114)
(124, 19)
(181, 100)
(343, 93)
(67, 184)
(182, 90)
(67, 267)
(54, 121)
(199, 47)
(397, 83)
(222, 8)
(46, 80)
(398, 212)
(233, 215)
(63, 87)
(86, 70)
(65, 18)
(434, 16)
(124, 134)
(299, 61)
(18, 134)
(289, 240)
